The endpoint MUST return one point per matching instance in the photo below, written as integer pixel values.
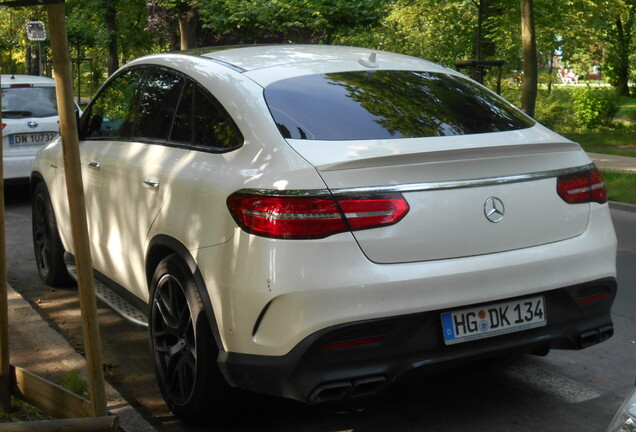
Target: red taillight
(20, 86)
(305, 217)
(370, 212)
(582, 187)
(3, 125)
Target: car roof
(253, 57)
(39, 81)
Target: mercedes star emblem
(494, 209)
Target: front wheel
(183, 346)
(49, 251)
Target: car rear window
(21, 102)
(387, 104)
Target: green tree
(437, 30)
(252, 21)
(620, 43)
(175, 16)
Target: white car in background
(319, 222)
(29, 121)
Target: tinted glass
(112, 113)
(201, 121)
(183, 127)
(29, 102)
(387, 104)
(157, 104)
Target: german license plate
(491, 320)
(36, 138)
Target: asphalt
(37, 347)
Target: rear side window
(20, 102)
(111, 114)
(387, 104)
(201, 121)
(157, 101)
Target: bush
(595, 108)
(554, 110)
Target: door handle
(95, 164)
(150, 183)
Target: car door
(136, 175)
(106, 123)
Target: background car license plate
(492, 320)
(28, 139)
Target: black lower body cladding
(362, 358)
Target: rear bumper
(18, 167)
(410, 345)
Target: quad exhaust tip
(595, 336)
(340, 390)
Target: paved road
(565, 391)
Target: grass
(73, 382)
(22, 412)
(617, 142)
(627, 110)
(621, 186)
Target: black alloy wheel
(47, 245)
(182, 344)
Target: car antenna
(370, 62)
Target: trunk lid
(468, 195)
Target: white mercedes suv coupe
(319, 222)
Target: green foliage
(554, 110)
(437, 30)
(594, 108)
(73, 382)
(286, 20)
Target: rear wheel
(49, 251)
(183, 345)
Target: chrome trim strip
(422, 187)
(308, 193)
(462, 184)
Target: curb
(622, 206)
(37, 347)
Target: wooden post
(72, 168)
(5, 366)
(95, 424)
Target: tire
(47, 245)
(183, 346)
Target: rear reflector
(593, 294)
(352, 343)
(582, 187)
(594, 298)
(310, 217)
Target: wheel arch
(162, 246)
(36, 178)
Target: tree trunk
(30, 70)
(188, 23)
(478, 70)
(622, 69)
(111, 28)
(530, 67)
